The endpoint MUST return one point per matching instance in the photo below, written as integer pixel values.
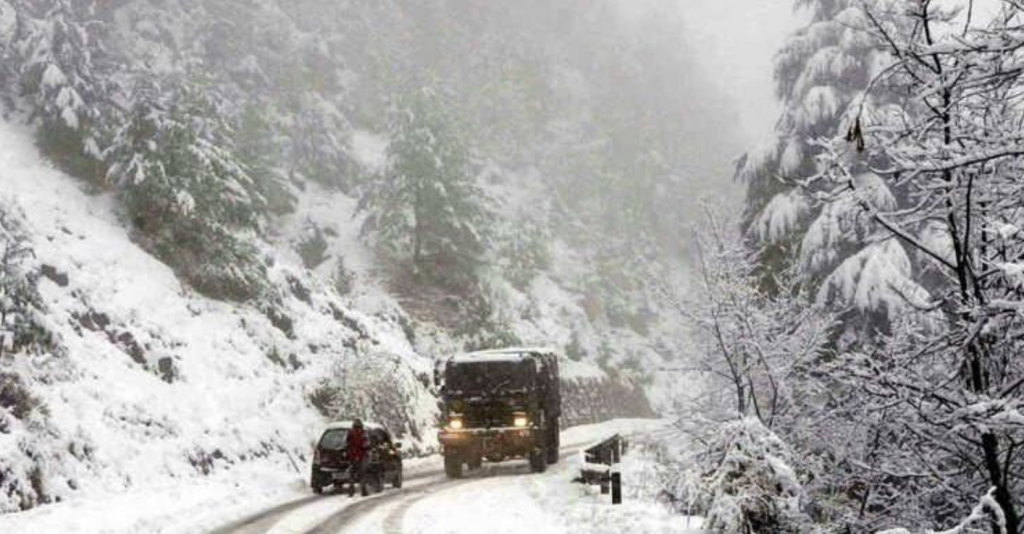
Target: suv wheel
(316, 481)
(453, 465)
(396, 481)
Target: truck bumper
(490, 442)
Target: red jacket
(357, 444)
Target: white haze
(736, 41)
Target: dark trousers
(358, 471)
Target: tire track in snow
(350, 514)
(396, 518)
(265, 520)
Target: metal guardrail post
(606, 453)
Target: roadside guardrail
(599, 466)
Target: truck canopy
(509, 354)
(490, 376)
(509, 371)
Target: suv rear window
(334, 439)
(379, 437)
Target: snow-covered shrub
(525, 251)
(747, 483)
(375, 387)
(16, 401)
(39, 463)
(575, 350)
(344, 279)
(313, 246)
(986, 517)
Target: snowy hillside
(153, 381)
(150, 381)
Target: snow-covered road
(501, 498)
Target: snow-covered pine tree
(261, 145)
(427, 208)
(191, 200)
(61, 69)
(835, 250)
(319, 145)
(21, 306)
(818, 72)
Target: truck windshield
(334, 439)
(489, 377)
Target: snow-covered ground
(501, 498)
(523, 503)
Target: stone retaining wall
(593, 400)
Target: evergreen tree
(818, 72)
(261, 146)
(427, 207)
(185, 190)
(828, 243)
(21, 307)
(62, 75)
(319, 148)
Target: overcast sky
(736, 41)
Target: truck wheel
(396, 482)
(553, 442)
(475, 462)
(453, 466)
(538, 460)
(378, 482)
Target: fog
(226, 223)
(735, 41)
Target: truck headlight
(520, 420)
(455, 423)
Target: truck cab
(498, 405)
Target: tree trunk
(990, 445)
(417, 228)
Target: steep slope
(152, 381)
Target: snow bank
(521, 502)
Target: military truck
(498, 405)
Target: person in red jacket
(358, 447)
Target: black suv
(331, 465)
